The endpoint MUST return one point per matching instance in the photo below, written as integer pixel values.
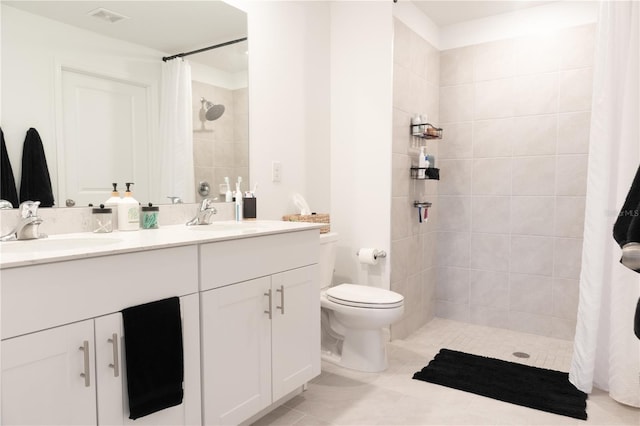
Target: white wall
(288, 103)
(361, 108)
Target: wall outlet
(276, 171)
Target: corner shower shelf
(426, 131)
(430, 173)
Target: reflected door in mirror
(105, 137)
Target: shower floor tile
(345, 397)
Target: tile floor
(344, 397)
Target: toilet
(353, 316)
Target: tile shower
(505, 248)
(222, 147)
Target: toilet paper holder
(379, 254)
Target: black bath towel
(8, 183)
(36, 183)
(627, 226)
(154, 357)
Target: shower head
(210, 111)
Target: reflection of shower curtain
(606, 351)
(176, 177)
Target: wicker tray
(313, 218)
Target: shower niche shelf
(426, 131)
(430, 173)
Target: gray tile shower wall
(416, 87)
(511, 198)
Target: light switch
(276, 171)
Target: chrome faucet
(28, 225)
(204, 214)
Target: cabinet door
(113, 402)
(41, 381)
(236, 351)
(295, 330)
(110, 369)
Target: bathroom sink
(53, 244)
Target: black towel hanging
(8, 183)
(35, 184)
(627, 226)
(154, 356)
(626, 231)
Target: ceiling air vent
(107, 15)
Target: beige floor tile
(345, 397)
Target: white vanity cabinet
(41, 381)
(260, 322)
(50, 311)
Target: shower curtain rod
(204, 49)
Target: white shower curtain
(606, 352)
(176, 177)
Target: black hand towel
(36, 183)
(154, 357)
(7, 181)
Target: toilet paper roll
(368, 256)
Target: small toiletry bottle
(228, 196)
(415, 126)
(149, 217)
(128, 211)
(423, 124)
(238, 206)
(112, 203)
(421, 163)
(102, 219)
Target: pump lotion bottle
(128, 211)
(113, 203)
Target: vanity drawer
(48, 295)
(233, 261)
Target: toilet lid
(364, 296)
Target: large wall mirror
(87, 76)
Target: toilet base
(362, 350)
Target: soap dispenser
(128, 211)
(112, 203)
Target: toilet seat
(361, 296)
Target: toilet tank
(328, 245)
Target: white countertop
(64, 247)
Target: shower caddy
(425, 131)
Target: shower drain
(521, 355)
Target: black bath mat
(546, 390)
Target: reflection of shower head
(210, 111)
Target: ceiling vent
(107, 15)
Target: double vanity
(250, 320)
